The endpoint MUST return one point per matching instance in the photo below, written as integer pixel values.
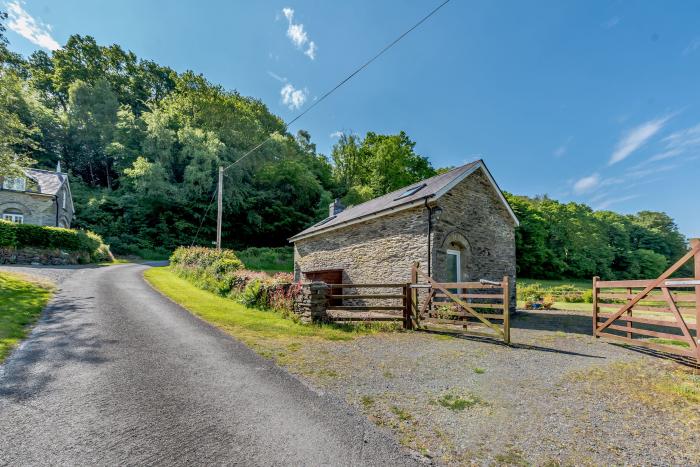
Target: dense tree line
(143, 144)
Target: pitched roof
(49, 182)
(433, 187)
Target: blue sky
(591, 101)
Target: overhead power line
(317, 102)
(345, 80)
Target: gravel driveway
(116, 374)
(554, 398)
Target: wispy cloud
(612, 22)
(336, 134)
(298, 36)
(563, 149)
(292, 97)
(279, 78)
(605, 204)
(684, 139)
(31, 29)
(587, 184)
(692, 46)
(636, 138)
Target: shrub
(268, 259)
(221, 272)
(86, 243)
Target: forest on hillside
(142, 144)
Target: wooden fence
(477, 308)
(392, 302)
(652, 313)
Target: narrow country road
(114, 373)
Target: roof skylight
(411, 191)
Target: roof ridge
(46, 170)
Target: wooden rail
(455, 304)
(366, 309)
(615, 312)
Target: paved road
(114, 373)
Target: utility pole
(220, 203)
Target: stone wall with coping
(312, 302)
(41, 256)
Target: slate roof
(388, 202)
(49, 182)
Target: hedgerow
(221, 272)
(20, 236)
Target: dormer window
(14, 183)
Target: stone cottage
(40, 197)
(457, 225)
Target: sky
(587, 101)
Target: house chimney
(336, 207)
(58, 166)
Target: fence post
(595, 305)
(413, 310)
(407, 306)
(506, 309)
(695, 243)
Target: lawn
(267, 332)
(22, 300)
(582, 284)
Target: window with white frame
(14, 183)
(13, 217)
(64, 200)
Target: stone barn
(457, 225)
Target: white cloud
(586, 184)
(611, 23)
(336, 134)
(635, 138)
(692, 47)
(31, 29)
(298, 36)
(683, 139)
(610, 201)
(311, 50)
(293, 98)
(279, 78)
(562, 150)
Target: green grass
(673, 342)
(457, 403)
(269, 260)
(582, 284)
(22, 300)
(256, 328)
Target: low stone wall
(41, 256)
(312, 302)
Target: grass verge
(22, 300)
(267, 332)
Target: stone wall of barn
(475, 222)
(380, 250)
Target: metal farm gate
(652, 313)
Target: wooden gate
(466, 307)
(665, 310)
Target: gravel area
(56, 274)
(556, 397)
